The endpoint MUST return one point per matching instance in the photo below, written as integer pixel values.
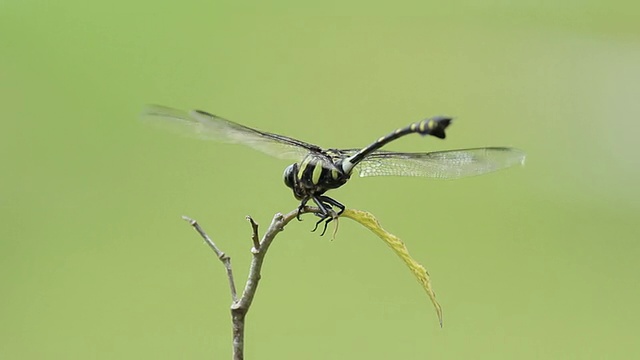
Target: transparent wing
(206, 126)
(451, 164)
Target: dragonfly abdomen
(434, 126)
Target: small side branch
(226, 260)
(254, 236)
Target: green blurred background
(538, 262)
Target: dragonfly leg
(326, 213)
(303, 203)
(327, 200)
(330, 215)
(326, 223)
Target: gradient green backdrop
(538, 262)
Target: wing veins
(448, 164)
(211, 127)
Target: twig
(240, 307)
(226, 260)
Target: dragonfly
(317, 170)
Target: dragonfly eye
(289, 175)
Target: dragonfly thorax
(314, 175)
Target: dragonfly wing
(451, 164)
(207, 126)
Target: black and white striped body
(316, 173)
(330, 169)
(313, 176)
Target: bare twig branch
(226, 260)
(240, 307)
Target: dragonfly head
(290, 177)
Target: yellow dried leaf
(370, 222)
